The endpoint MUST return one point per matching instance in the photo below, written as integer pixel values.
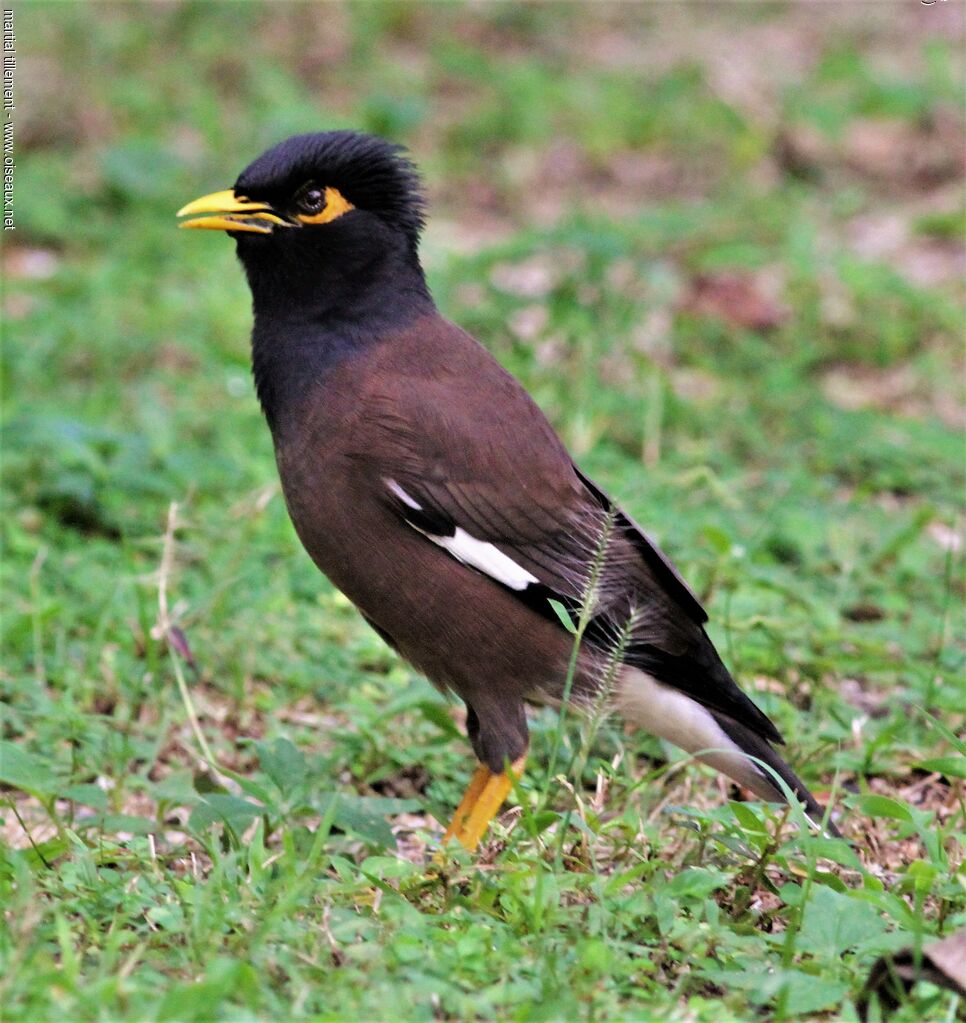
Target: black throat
(314, 311)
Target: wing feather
(533, 522)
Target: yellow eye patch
(335, 205)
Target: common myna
(428, 486)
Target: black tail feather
(754, 745)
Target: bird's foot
(481, 802)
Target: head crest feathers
(371, 173)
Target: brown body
(366, 422)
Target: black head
(372, 175)
(323, 222)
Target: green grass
(807, 478)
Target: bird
(429, 487)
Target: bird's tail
(757, 747)
(715, 738)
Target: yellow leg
(480, 804)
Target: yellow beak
(231, 213)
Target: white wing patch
(402, 495)
(485, 557)
(477, 554)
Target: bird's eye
(311, 199)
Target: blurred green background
(722, 245)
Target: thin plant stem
(588, 600)
(164, 629)
(36, 620)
